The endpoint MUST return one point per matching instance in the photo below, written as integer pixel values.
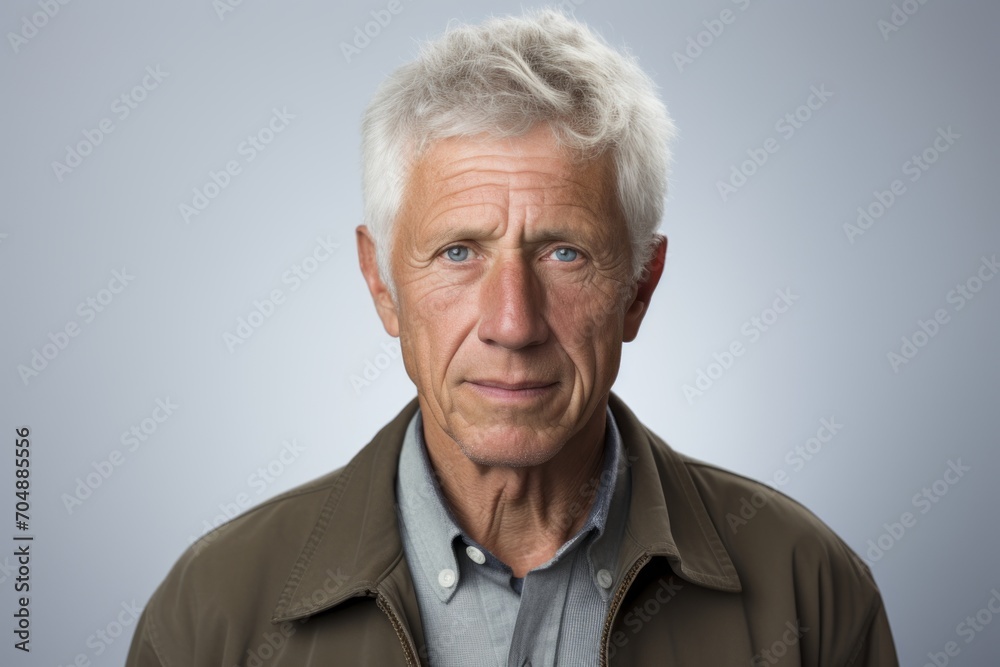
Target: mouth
(504, 390)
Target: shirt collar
(424, 518)
(431, 528)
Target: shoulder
(760, 528)
(228, 582)
(244, 568)
(277, 527)
(306, 549)
(784, 553)
(795, 572)
(274, 523)
(790, 565)
(751, 516)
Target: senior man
(516, 512)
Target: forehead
(484, 170)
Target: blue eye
(457, 253)
(565, 254)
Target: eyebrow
(539, 233)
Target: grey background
(162, 336)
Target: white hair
(503, 77)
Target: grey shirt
(474, 611)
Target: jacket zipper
(384, 605)
(616, 602)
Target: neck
(522, 514)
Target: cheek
(433, 326)
(586, 314)
(426, 293)
(587, 323)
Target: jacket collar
(355, 544)
(667, 516)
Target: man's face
(512, 265)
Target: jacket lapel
(666, 515)
(703, 620)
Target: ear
(379, 290)
(644, 290)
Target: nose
(511, 305)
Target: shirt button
(476, 555)
(604, 579)
(446, 577)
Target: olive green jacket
(714, 570)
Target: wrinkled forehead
(458, 171)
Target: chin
(507, 450)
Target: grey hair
(503, 77)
